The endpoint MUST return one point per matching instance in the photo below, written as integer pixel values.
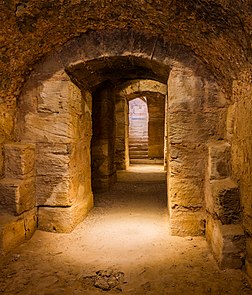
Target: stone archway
(155, 92)
(54, 119)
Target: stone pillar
(156, 108)
(103, 140)
(56, 116)
(186, 167)
(122, 134)
(166, 152)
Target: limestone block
(54, 190)
(55, 128)
(54, 159)
(185, 89)
(181, 128)
(227, 243)
(186, 161)
(14, 230)
(187, 192)
(59, 96)
(17, 195)
(219, 160)
(64, 220)
(19, 160)
(223, 199)
(187, 223)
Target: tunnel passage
(54, 124)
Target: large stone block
(17, 195)
(54, 159)
(186, 161)
(64, 220)
(55, 128)
(59, 96)
(187, 223)
(19, 160)
(219, 161)
(223, 200)
(227, 243)
(15, 230)
(186, 192)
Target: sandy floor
(123, 247)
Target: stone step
(138, 156)
(139, 152)
(138, 148)
(139, 144)
(146, 161)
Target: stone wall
(122, 133)
(196, 115)
(224, 231)
(240, 131)
(156, 107)
(103, 140)
(55, 116)
(18, 212)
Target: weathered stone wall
(240, 131)
(103, 140)
(122, 133)
(196, 115)
(156, 108)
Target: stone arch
(54, 116)
(155, 93)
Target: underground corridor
(93, 204)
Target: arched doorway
(55, 111)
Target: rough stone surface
(19, 160)
(223, 200)
(15, 230)
(104, 138)
(219, 162)
(189, 130)
(17, 195)
(227, 243)
(186, 222)
(241, 134)
(122, 136)
(64, 220)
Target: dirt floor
(123, 247)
